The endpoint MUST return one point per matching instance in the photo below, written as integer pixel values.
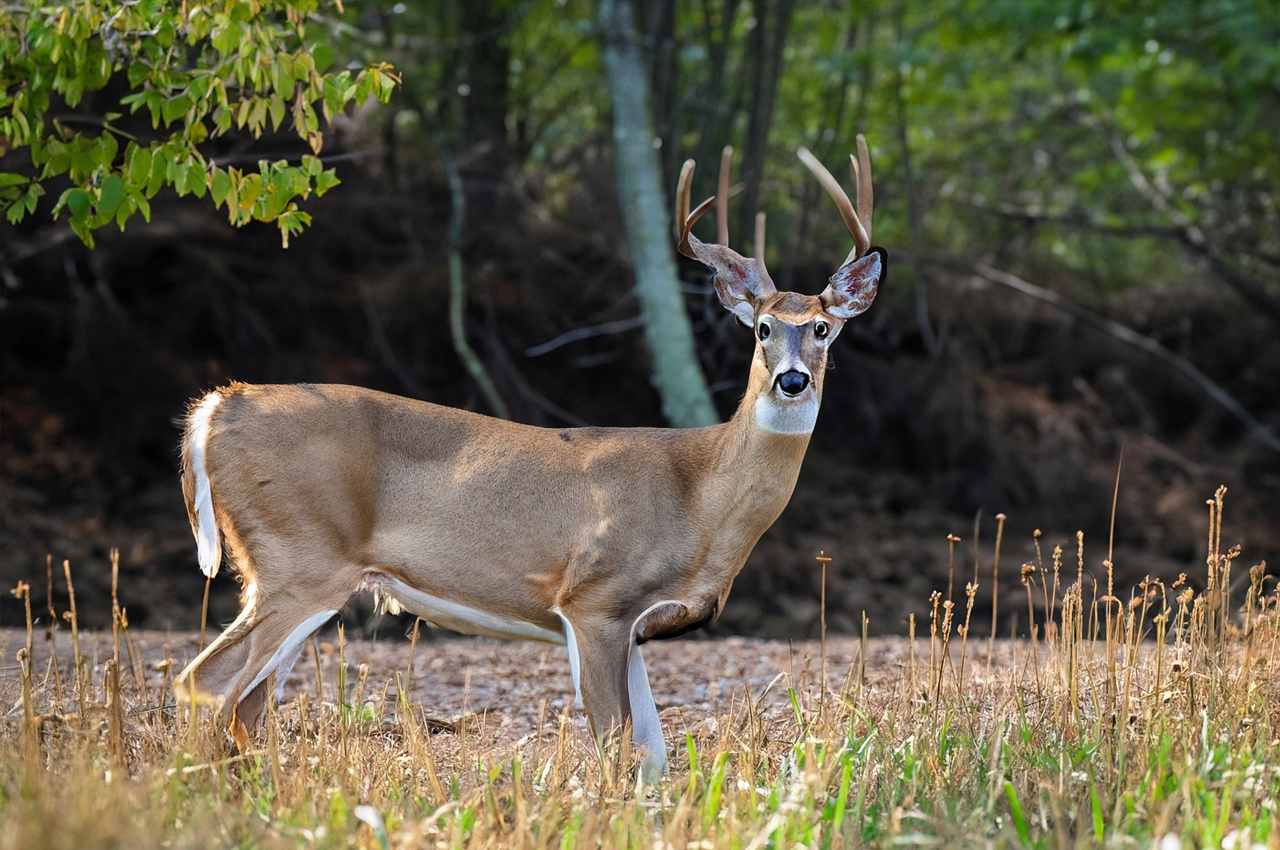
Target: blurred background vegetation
(1079, 200)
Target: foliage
(198, 72)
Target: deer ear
(854, 285)
(741, 283)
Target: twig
(569, 337)
(457, 293)
(1127, 335)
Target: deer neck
(761, 450)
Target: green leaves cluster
(197, 71)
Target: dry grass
(1147, 718)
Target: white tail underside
(208, 543)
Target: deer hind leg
(211, 674)
(248, 709)
(234, 672)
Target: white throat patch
(786, 417)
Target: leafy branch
(197, 71)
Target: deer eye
(820, 329)
(763, 331)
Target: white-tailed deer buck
(596, 538)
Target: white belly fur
(455, 616)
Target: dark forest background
(1079, 200)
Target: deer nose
(793, 382)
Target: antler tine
(861, 241)
(685, 220)
(722, 196)
(759, 249)
(682, 196)
(866, 195)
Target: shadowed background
(1079, 204)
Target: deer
(597, 539)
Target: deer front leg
(602, 674)
(614, 686)
(646, 726)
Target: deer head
(793, 331)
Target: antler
(859, 221)
(686, 219)
(740, 282)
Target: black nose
(793, 382)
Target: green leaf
(219, 186)
(325, 181)
(222, 119)
(122, 214)
(281, 78)
(250, 188)
(174, 108)
(277, 111)
(80, 227)
(160, 160)
(139, 166)
(34, 192)
(197, 180)
(187, 177)
(78, 201)
(107, 147)
(227, 39)
(291, 223)
(8, 178)
(111, 196)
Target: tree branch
(1215, 392)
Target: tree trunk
(677, 375)
(664, 77)
(483, 149)
(767, 52)
(716, 129)
(915, 227)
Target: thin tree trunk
(483, 146)
(677, 375)
(767, 48)
(717, 108)
(826, 147)
(663, 72)
(458, 293)
(914, 225)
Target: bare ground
(506, 691)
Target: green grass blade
(1019, 817)
(1095, 806)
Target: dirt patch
(505, 690)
